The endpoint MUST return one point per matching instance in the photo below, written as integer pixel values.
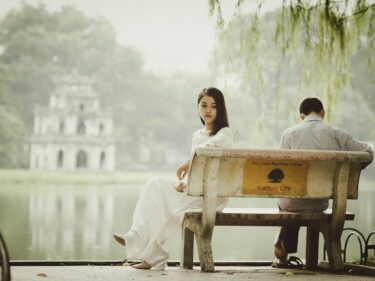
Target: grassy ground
(370, 261)
(26, 176)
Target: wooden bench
(216, 172)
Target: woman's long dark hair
(221, 120)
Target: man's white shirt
(314, 134)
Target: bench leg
(187, 252)
(312, 248)
(205, 250)
(335, 249)
(333, 246)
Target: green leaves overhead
(273, 57)
(318, 37)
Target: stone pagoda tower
(73, 132)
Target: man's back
(315, 134)
(312, 134)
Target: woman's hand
(182, 170)
(180, 187)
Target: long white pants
(157, 216)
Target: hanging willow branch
(318, 38)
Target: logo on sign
(275, 176)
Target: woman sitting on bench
(163, 202)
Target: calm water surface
(65, 222)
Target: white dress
(160, 209)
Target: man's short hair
(311, 105)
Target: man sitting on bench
(313, 134)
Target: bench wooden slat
(265, 216)
(283, 154)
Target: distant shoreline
(36, 177)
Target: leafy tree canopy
(38, 45)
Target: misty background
(149, 61)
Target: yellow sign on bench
(273, 177)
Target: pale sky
(171, 35)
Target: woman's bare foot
(120, 238)
(142, 265)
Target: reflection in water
(63, 224)
(76, 222)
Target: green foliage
(11, 138)
(39, 46)
(11, 126)
(304, 48)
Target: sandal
(295, 262)
(142, 265)
(120, 239)
(292, 262)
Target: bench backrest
(218, 172)
(275, 173)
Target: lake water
(66, 222)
